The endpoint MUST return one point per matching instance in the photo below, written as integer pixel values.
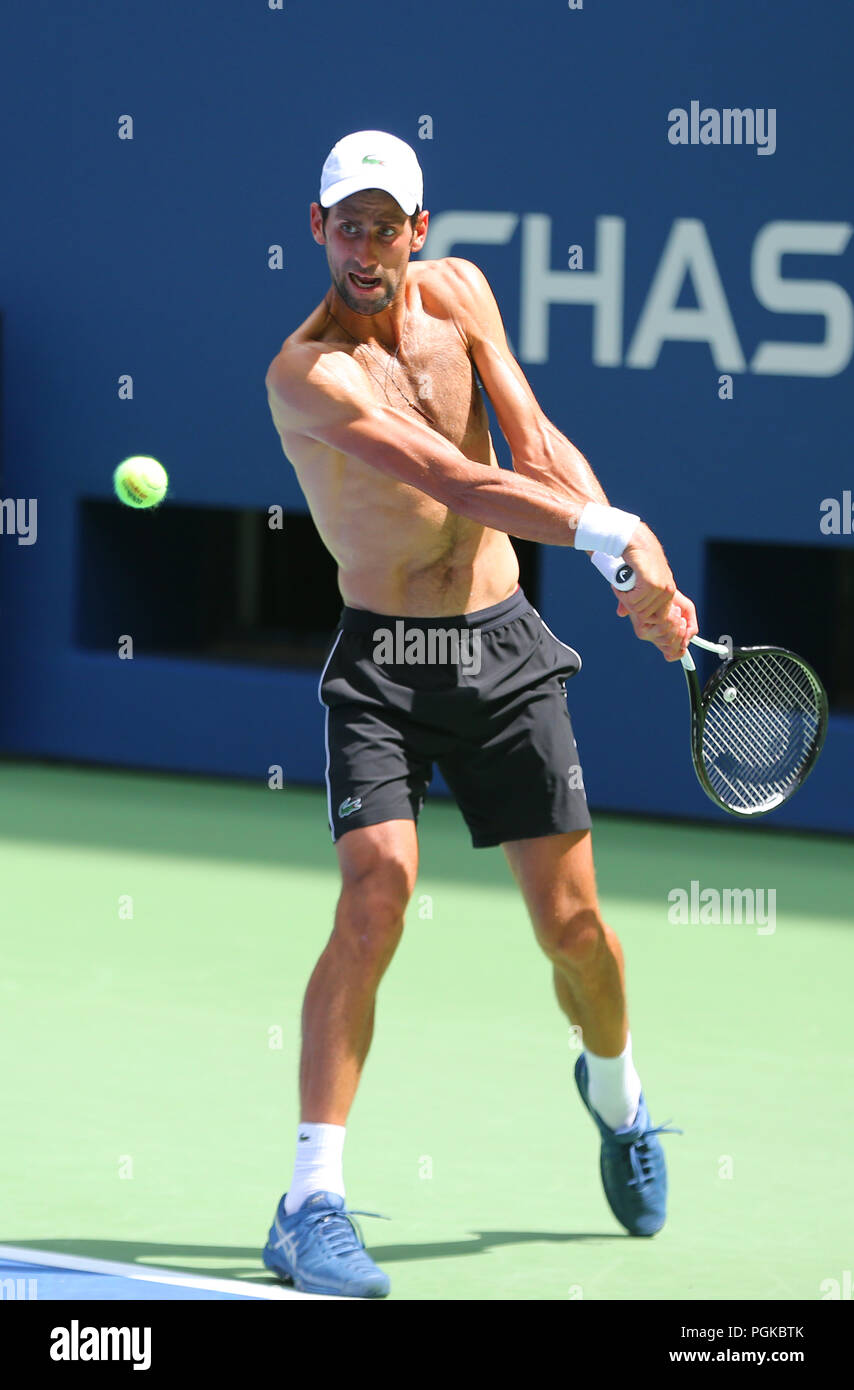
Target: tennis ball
(140, 481)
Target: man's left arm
(659, 613)
(538, 449)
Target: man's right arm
(322, 395)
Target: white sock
(318, 1166)
(614, 1089)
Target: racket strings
(756, 744)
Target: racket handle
(615, 569)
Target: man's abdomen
(455, 582)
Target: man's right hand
(671, 634)
(655, 586)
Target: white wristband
(605, 528)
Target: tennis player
(439, 658)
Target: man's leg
(557, 880)
(556, 875)
(378, 865)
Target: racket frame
(701, 699)
(620, 575)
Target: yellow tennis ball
(140, 481)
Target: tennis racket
(758, 725)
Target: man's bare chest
(433, 377)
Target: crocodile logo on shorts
(349, 805)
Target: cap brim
(358, 184)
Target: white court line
(152, 1275)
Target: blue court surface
(29, 1275)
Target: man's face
(369, 240)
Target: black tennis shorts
(482, 695)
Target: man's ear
(316, 224)
(420, 232)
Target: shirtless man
(377, 403)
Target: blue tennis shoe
(319, 1249)
(632, 1165)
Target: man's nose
(365, 252)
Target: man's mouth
(364, 282)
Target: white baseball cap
(372, 159)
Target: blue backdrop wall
(539, 128)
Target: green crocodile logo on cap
(371, 159)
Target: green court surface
(150, 1102)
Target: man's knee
(572, 938)
(380, 893)
(376, 884)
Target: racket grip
(615, 569)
